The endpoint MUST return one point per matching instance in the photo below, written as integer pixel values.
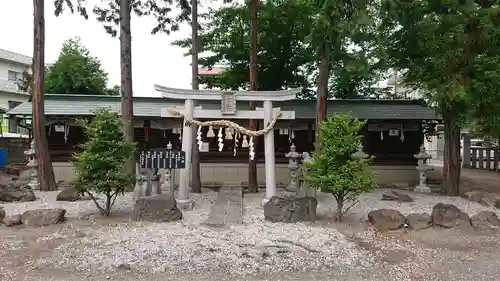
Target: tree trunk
(45, 169)
(107, 208)
(195, 156)
(321, 100)
(451, 167)
(340, 207)
(126, 79)
(252, 164)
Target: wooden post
(45, 169)
(474, 158)
(126, 79)
(481, 157)
(252, 163)
(466, 151)
(195, 48)
(488, 159)
(495, 159)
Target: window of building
(15, 75)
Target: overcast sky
(154, 59)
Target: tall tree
(252, 163)
(283, 53)
(335, 24)
(45, 169)
(195, 157)
(119, 13)
(485, 98)
(36, 84)
(126, 78)
(226, 37)
(444, 48)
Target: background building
(12, 66)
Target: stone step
(228, 207)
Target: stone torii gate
(228, 111)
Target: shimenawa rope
(230, 124)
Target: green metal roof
(82, 105)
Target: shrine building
(393, 133)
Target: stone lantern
(305, 190)
(293, 165)
(141, 184)
(32, 166)
(360, 152)
(422, 167)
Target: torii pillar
(227, 111)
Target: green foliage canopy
(108, 12)
(74, 72)
(485, 94)
(345, 32)
(282, 52)
(448, 49)
(99, 167)
(286, 49)
(430, 42)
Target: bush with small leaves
(99, 167)
(337, 168)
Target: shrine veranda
(393, 131)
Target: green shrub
(336, 168)
(99, 167)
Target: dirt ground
(471, 179)
(432, 254)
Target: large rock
(386, 219)
(487, 201)
(474, 196)
(69, 194)
(42, 217)
(449, 216)
(485, 219)
(483, 198)
(158, 208)
(418, 221)
(290, 209)
(16, 193)
(396, 195)
(13, 220)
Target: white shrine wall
(212, 173)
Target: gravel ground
(423, 204)
(189, 246)
(255, 248)
(78, 209)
